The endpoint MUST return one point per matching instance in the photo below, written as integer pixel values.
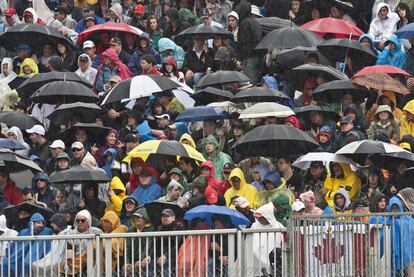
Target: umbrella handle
(346, 55)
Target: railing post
(240, 264)
(289, 262)
(98, 256)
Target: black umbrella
(95, 132)
(273, 140)
(12, 212)
(15, 162)
(259, 94)
(222, 77)
(34, 35)
(303, 112)
(21, 120)
(29, 86)
(272, 23)
(291, 58)
(18, 81)
(87, 112)
(80, 174)
(289, 37)
(155, 208)
(11, 144)
(64, 92)
(139, 87)
(298, 75)
(337, 49)
(208, 95)
(207, 32)
(332, 91)
(391, 161)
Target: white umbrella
(228, 106)
(266, 109)
(304, 162)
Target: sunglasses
(82, 220)
(76, 149)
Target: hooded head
(141, 212)
(9, 63)
(267, 211)
(237, 172)
(18, 133)
(36, 217)
(371, 40)
(32, 64)
(116, 8)
(116, 184)
(111, 217)
(85, 57)
(373, 202)
(85, 214)
(212, 139)
(189, 139)
(406, 195)
(111, 55)
(395, 201)
(210, 165)
(345, 195)
(396, 41)
(165, 44)
(59, 220)
(30, 12)
(273, 177)
(171, 61)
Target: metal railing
(342, 245)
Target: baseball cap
(57, 144)
(238, 124)
(145, 173)
(168, 212)
(255, 10)
(405, 145)
(23, 47)
(36, 129)
(316, 164)
(10, 12)
(346, 120)
(228, 167)
(163, 116)
(140, 9)
(115, 40)
(62, 155)
(131, 138)
(83, 58)
(88, 44)
(241, 202)
(41, 176)
(90, 17)
(204, 13)
(77, 145)
(211, 195)
(298, 206)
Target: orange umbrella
(381, 81)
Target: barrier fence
(346, 245)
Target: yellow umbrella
(163, 147)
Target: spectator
(147, 65)
(116, 43)
(154, 30)
(85, 69)
(129, 206)
(144, 47)
(341, 205)
(392, 53)
(90, 50)
(308, 200)
(148, 190)
(117, 195)
(407, 121)
(239, 188)
(383, 25)
(170, 70)
(44, 193)
(168, 48)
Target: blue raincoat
(24, 253)
(395, 57)
(107, 167)
(148, 193)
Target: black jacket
(193, 63)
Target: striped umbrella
(138, 87)
(163, 147)
(381, 81)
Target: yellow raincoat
(407, 127)
(246, 190)
(350, 182)
(30, 62)
(116, 200)
(187, 137)
(118, 243)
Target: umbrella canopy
(64, 92)
(289, 37)
(298, 75)
(209, 94)
(164, 147)
(304, 112)
(155, 208)
(15, 162)
(202, 113)
(266, 109)
(391, 161)
(273, 140)
(95, 132)
(332, 91)
(389, 69)
(12, 212)
(34, 35)
(21, 120)
(138, 87)
(206, 32)
(337, 49)
(206, 212)
(359, 151)
(272, 23)
(11, 144)
(80, 174)
(305, 161)
(228, 106)
(63, 113)
(17, 81)
(406, 32)
(381, 81)
(115, 29)
(259, 94)
(222, 77)
(29, 86)
(291, 58)
(330, 25)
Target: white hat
(163, 116)
(241, 202)
(88, 44)
(77, 144)
(37, 129)
(233, 14)
(298, 206)
(255, 10)
(58, 144)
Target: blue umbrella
(206, 212)
(11, 144)
(406, 32)
(202, 113)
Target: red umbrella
(111, 27)
(340, 28)
(389, 69)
